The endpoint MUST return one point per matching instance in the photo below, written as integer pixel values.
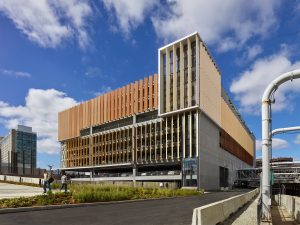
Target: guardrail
(219, 211)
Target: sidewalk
(15, 191)
(245, 216)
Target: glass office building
(18, 151)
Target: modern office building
(178, 125)
(18, 151)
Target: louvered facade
(177, 122)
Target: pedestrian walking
(64, 182)
(46, 181)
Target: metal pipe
(285, 130)
(267, 137)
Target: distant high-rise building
(18, 151)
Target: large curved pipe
(285, 130)
(267, 137)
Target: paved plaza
(15, 191)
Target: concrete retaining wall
(291, 203)
(18, 179)
(219, 211)
(13, 179)
(2, 177)
(30, 180)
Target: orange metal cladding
(134, 98)
(119, 104)
(150, 91)
(141, 96)
(127, 100)
(146, 96)
(155, 92)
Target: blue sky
(54, 54)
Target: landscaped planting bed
(86, 193)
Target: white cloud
(248, 88)
(228, 24)
(93, 72)
(14, 73)
(258, 145)
(250, 53)
(50, 22)
(41, 113)
(253, 51)
(129, 14)
(103, 90)
(297, 140)
(277, 143)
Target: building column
(166, 150)
(155, 136)
(91, 147)
(134, 172)
(133, 150)
(141, 149)
(92, 174)
(183, 135)
(105, 144)
(150, 145)
(178, 132)
(145, 142)
(198, 138)
(190, 131)
(161, 134)
(172, 145)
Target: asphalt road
(154, 212)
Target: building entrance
(223, 176)
(189, 172)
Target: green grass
(40, 200)
(84, 193)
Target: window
(164, 64)
(178, 59)
(185, 57)
(171, 62)
(193, 46)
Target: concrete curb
(51, 207)
(218, 212)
